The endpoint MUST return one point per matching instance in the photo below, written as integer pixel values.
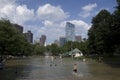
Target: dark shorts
(75, 70)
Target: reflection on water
(45, 69)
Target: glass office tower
(70, 31)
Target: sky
(49, 17)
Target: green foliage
(55, 49)
(116, 28)
(39, 50)
(99, 33)
(83, 46)
(103, 36)
(68, 45)
(12, 42)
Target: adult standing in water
(52, 59)
(60, 57)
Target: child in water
(75, 68)
(75, 71)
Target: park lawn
(13, 68)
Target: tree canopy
(12, 42)
(103, 36)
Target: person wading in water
(75, 68)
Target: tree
(99, 33)
(84, 47)
(115, 28)
(12, 42)
(55, 49)
(68, 45)
(39, 50)
(27, 49)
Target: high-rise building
(43, 40)
(18, 27)
(57, 42)
(70, 31)
(78, 38)
(62, 41)
(29, 36)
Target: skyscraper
(57, 42)
(70, 31)
(29, 36)
(42, 40)
(62, 41)
(78, 38)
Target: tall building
(62, 41)
(78, 38)
(18, 27)
(57, 42)
(43, 40)
(29, 36)
(70, 31)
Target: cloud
(58, 29)
(53, 26)
(89, 7)
(6, 2)
(102, 9)
(52, 32)
(14, 12)
(80, 24)
(47, 23)
(23, 14)
(84, 14)
(81, 27)
(51, 13)
(51, 19)
(87, 10)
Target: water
(42, 68)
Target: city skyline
(49, 17)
